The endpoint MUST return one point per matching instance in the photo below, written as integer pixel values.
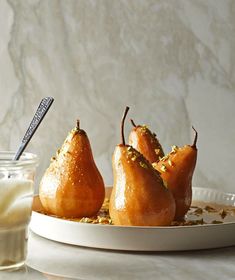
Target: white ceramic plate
(172, 238)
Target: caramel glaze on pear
(138, 197)
(146, 142)
(177, 170)
(72, 186)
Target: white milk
(15, 210)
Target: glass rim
(26, 160)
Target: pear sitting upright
(146, 142)
(139, 197)
(72, 185)
(176, 170)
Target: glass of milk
(16, 197)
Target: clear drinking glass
(16, 197)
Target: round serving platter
(173, 238)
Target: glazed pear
(72, 185)
(138, 197)
(176, 170)
(146, 142)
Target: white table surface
(71, 262)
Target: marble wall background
(171, 61)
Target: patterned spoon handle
(43, 108)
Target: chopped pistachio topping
(132, 154)
(143, 164)
(154, 165)
(163, 168)
(198, 211)
(86, 220)
(102, 220)
(223, 213)
(129, 154)
(144, 128)
(210, 209)
(165, 158)
(174, 149)
(134, 158)
(188, 223)
(157, 151)
(217, 222)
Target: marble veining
(172, 62)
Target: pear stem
(195, 138)
(133, 123)
(78, 124)
(122, 125)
